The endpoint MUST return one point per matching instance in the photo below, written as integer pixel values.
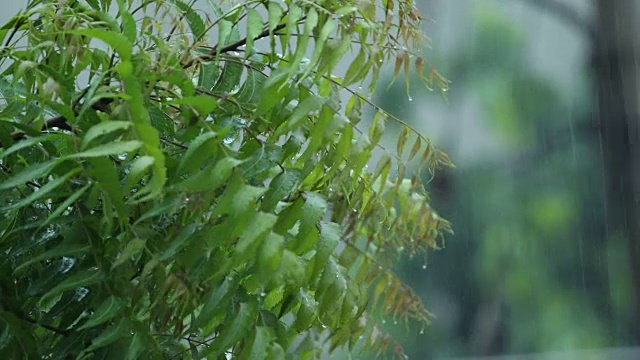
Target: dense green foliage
(163, 198)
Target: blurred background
(542, 122)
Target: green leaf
(109, 336)
(252, 236)
(112, 148)
(269, 256)
(117, 41)
(217, 296)
(145, 131)
(237, 198)
(257, 346)
(307, 313)
(254, 28)
(303, 41)
(301, 113)
(294, 14)
(402, 139)
(197, 152)
(203, 104)
(317, 133)
(104, 171)
(30, 141)
(275, 15)
(79, 279)
(291, 269)
(249, 93)
(326, 30)
(230, 77)
(312, 211)
(331, 288)
(283, 185)
(224, 30)
(276, 352)
(354, 69)
(105, 312)
(66, 203)
(31, 173)
(179, 242)
(273, 91)
(138, 169)
(102, 129)
(345, 10)
(128, 22)
(210, 178)
(137, 347)
(132, 249)
(56, 252)
(23, 337)
(195, 22)
(233, 332)
(330, 235)
(42, 191)
(209, 72)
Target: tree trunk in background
(615, 61)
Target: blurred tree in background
(545, 252)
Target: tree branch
(61, 122)
(230, 47)
(57, 330)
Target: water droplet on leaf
(67, 264)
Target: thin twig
(57, 330)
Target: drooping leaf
(257, 346)
(270, 255)
(102, 129)
(306, 107)
(113, 148)
(236, 329)
(283, 185)
(132, 249)
(109, 309)
(110, 335)
(56, 252)
(203, 104)
(254, 28)
(33, 172)
(42, 192)
(74, 281)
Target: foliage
(164, 198)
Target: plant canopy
(178, 182)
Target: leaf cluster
(164, 195)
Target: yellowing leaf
(402, 139)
